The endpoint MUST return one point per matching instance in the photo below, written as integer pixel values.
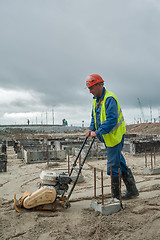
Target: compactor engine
(58, 181)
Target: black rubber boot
(131, 189)
(115, 187)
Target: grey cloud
(51, 46)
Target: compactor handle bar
(75, 162)
(81, 166)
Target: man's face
(96, 90)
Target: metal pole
(154, 156)
(145, 158)
(47, 156)
(20, 144)
(102, 186)
(53, 115)
(55, 154)
(151, 161)
(95, 183)
(43, 147)
(68, 164)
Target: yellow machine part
(25, 194)
(44, 195)
(43, 199)
(59, 204)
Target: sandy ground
(139, 220)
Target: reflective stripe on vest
(118, 124)
(114, 137)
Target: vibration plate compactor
(51, 193)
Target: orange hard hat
(93, 79)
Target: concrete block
(26, 154)
(128, 147)
(19, 154)
(41, 156)
(154, 171)
(59, 155)
(94, 153)
(80, 179)
(67, 148)
(108, 208)
(11, 143)
(3, 162)
(52, 164)
(57, 145)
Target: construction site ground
(139, 220)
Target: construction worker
(64, 122)
(107, 123)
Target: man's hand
(92, 134)
(88, 133)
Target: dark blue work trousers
(116, 159)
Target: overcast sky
(49, 47)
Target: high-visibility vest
(114, 137)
